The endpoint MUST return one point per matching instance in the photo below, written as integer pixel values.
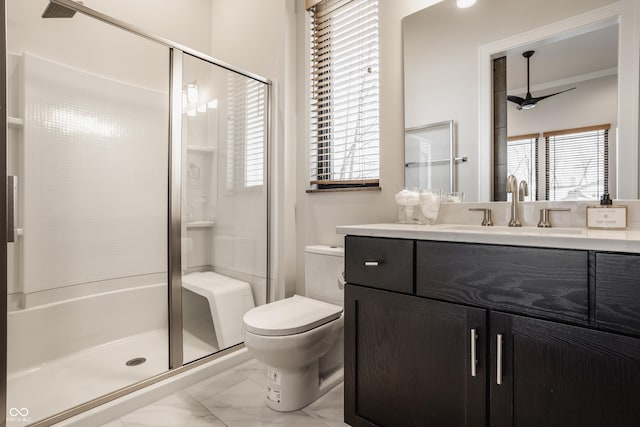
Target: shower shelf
(200, 224)
(15, 122)
(200, 149)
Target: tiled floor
(235, 399)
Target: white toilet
(301, 339)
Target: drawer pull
(474, 361)
(499, 359)
(371, 263)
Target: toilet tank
(322, 267)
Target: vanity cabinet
(545, 324)
(553, 374)
(408, 361)
(617, 295)
(380, 263)
(548, 283)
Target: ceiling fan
(528, 102)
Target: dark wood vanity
(471, 334)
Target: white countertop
(565, 238)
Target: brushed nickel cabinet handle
(371, 263)
(499, 359)
(474, 361)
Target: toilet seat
(290, 316)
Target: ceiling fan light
(528, 106)
(462, 4)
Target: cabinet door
(408, 361)
(559, 375)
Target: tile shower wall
(88, 141)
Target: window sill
(333, 190)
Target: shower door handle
(12, 201)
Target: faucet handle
(512, 184)
(523, 190)
(545, 217)
(486, 221)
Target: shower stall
(137, 197)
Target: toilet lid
(290, 316)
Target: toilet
(301, 338)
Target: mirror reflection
(588, 45)
(561, 115)
(428, 154)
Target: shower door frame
(176, 364)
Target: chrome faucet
(517, 192)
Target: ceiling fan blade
(515, 99)
(540, 98)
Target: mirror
(448, 75)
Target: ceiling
(557, 60)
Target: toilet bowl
(300, 339)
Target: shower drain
(136, 361)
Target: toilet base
(290, 390)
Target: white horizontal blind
(246, 132)
(344, 93)
(522, 161)
(577, 163)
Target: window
(577, 163)
(246, 132)
(344, 150)
(522, 160)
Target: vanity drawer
(618, 292)
(379, 263)
(550, 283)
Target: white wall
(186, 22)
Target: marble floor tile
(177, 410)
(243, 406)
(329, 408)
(235, 398)
(214, 385)
(254, 370)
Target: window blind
(246, 132)
(522, 161)
(577, 163)
(344, 149)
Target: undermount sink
(501, 229)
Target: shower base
(65, 382)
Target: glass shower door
(224, 204)
(87, 268)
